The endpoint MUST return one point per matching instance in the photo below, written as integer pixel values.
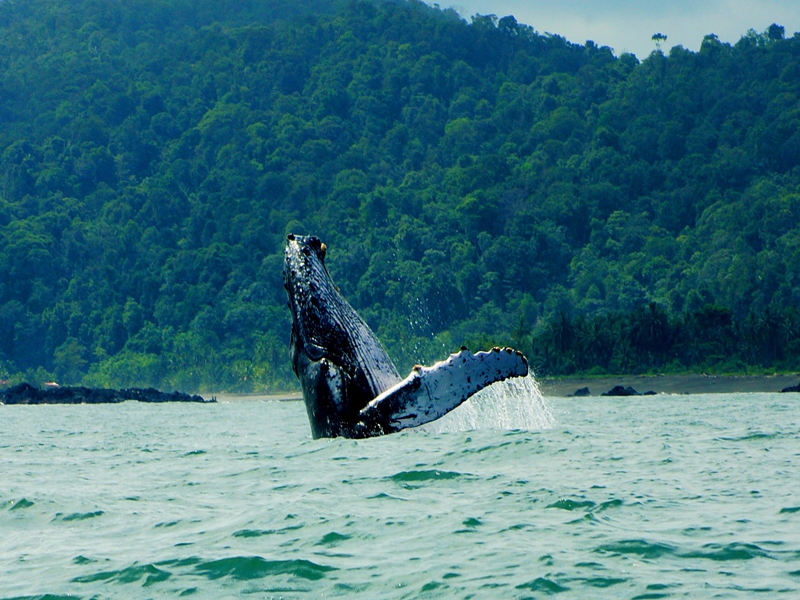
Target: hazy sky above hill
(628, 25)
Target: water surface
(652, 497)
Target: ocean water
(651, 497)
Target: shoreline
(670, 384)
(566, 386)
(256, 397)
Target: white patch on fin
(431, 392)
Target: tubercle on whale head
(299, 255)
(303, 271)
(307, 244)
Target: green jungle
(476, 182)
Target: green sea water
(651, 497)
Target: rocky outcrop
(791, 388)
(581, 393)
(27, 394)
(619, 390)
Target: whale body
(350, 386)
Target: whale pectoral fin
(431, 392)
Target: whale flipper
(431, 392)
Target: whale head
(310, 290)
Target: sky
(629, 25)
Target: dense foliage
(475, 182)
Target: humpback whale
(350, 386)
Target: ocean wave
(256, 567)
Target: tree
(775, 32)
(463, 174)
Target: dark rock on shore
(619, 390)
(791, 388)
(27, 394)
(581, 392)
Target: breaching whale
(350, 386)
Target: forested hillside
(475, 182)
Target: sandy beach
(274, 397)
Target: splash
(511, 404)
